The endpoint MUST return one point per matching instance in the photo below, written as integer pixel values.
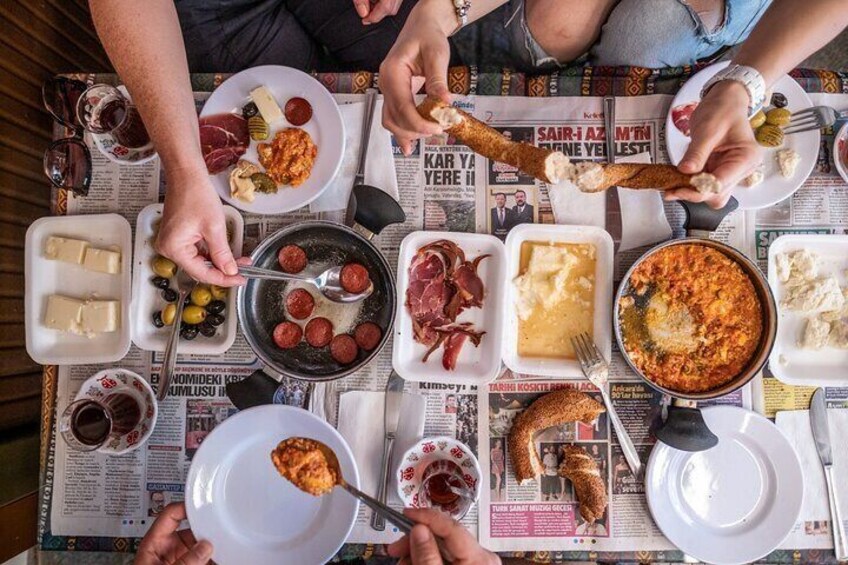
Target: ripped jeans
(643, 33)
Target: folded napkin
(795, 425)
(643, 220)
(361, 424)
(379, 163)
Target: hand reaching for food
(165, 544)
(193, 214)
(723, 143)
(419, 547)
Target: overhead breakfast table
(821, 205)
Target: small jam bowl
(420, 457)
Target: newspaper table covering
(442, 186)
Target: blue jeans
(643, 33)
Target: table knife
(821, 436)
(394, 396)
(612, 221)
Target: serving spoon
(403, 523)
(328, 283)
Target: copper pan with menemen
(696, 319)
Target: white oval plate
(147, 299)
(237, 500)
(325, 127)
(774, 187)
(734, 503)
(475, 365)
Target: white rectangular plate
(475, 365)
(45, 277)
(602, 327)
(148, 298)
(788, 362)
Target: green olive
(168, 314)
(201, 295)
(194, 314)
(164, 267)
(218, 292)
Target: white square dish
(788, 362)
(475, 365)
(602, 326)
(147, 299)
(47, 276)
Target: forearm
(445, 12)
(789, 32)
(145, 44)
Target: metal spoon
(185, 284)
(403, 523)
(327, 282)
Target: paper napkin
(643, 220)
(361, 424)
(379, 163)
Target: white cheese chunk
(99, 316)
(839, 333)
(815, 334)
(65, 249)
(102, 261)
(787, 161)
(266, 104)
(63, 313)
(820, 295)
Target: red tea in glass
(89, 423)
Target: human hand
(419, 547)
(372, 12)
(421, 50)
(193, 214)
(165, 545)
(722, 143)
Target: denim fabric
(644, 33)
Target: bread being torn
(583, 472)
(544, 164)
(596, 177)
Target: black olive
(188, 332)
(161, 282)
(215, 319)
(170, 295)
(207, 329)
(779, 100)
(157, 319)
(216, 306)
(249, 110)
(187, 300)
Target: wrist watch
(748, 77)
(461, 7)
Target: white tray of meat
(450, 292)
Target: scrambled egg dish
(288, 159)
(301, 461)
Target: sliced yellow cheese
(65, 249)
(99, 316)
(266, 104)
(63, 313)
(102, 260)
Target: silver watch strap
(461, 7)
(749, 77)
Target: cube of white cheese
(820, 295)
(815, 334)
(65, 249)
(99, 316)
(63, 313)
(102, 260)
(266, 104)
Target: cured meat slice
(680, 116)
(218, 160)
(223, 139)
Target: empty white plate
(237, 500)
(733, 503)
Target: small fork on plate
(596, 370)
(815, 117)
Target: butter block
(266, 104)
(65, 249)
(102, 260)
(99, 316)
(63, 313)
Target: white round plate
(237, 500)
(733, 503)
(120, 380)
(774, 187)
(325, 127)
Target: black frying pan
(261, 303)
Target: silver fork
(596, 370)
(816, 117)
